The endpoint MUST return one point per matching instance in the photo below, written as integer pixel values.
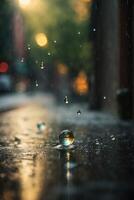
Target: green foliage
(58, 20)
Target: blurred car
(5, 83)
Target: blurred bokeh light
(24, 3)
(41, 39)
(3, 67)
(81, 85)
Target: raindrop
(36, 84)
(41, 126)
(55, 41)
(22, 60)
(104, 97)
(28, 47)
(78, 112)
(97, 142)
(42, 65)
(66, 99)
(112, 137)
(66, 138)
(49, 54)
(17, 140)
(94, 29)
(78, 33)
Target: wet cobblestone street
(100, 167)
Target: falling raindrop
(28, 47)
(49, 54)
(66, 138)
(78, 112)
(55, 41)
(42, 65)
(94, 29)
(41, 126)
(36, 84)
(104, 97)
(66, 99)
(78, 33)
(112, 137)
(22, 60)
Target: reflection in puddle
(68, 161)
(31, 173)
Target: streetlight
(41, 39)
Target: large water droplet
(66, 138)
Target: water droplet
(17, 140)
(66, 100)
(104, 97)
(22, 60)
(36, 84)
(36, 62)
(94, 29)
(49, 54)
(42, 65)
(66, 138)
(78, 112)
(78, 33)
(28, 47)
(97, 143)
(112, 137)
(55, 41)
(41, 126)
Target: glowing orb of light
(41, 39)
(24, 3)
(3, 67)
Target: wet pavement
(101, 166)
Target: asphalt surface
(101, 166)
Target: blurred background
(44, 46)
(81, 49)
